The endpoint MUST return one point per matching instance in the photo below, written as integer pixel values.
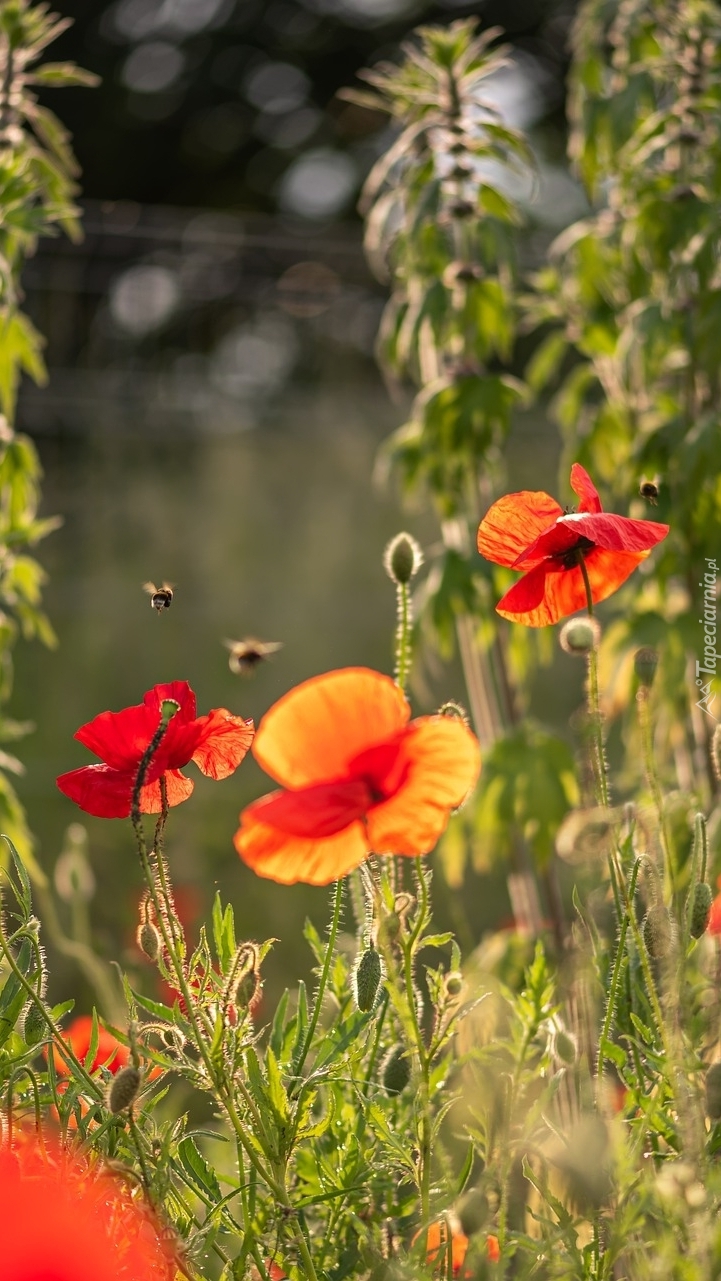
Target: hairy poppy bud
(454, 983)
(123, 1089)
(658, 932)
(367, 979)
(396, 1071)
(148, 940)
(34, 1025)
(402, 558)
(246, 989)
(580, 636)
(713, 1091)
(700, 909)
(645, 663)
(565, 1046)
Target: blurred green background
(214, 410)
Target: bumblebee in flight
(160, 597)
(247, 654)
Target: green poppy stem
(594, 703)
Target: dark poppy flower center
(572, 556)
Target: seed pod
(148, 940)
(645, 663)
(658, 932)
(396, 1072)
(402, 558)
(123, 1089)
(700, 908)
(367, 979)
(713, 1091)
(580, 636)
(34, 1025)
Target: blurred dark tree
(210, 102)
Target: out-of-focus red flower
(63, 1219)
(110, 1052)
(530, 531)
(217, 742)
(357, 777)
(714, 920)
(493, 1249)
(437, 1247)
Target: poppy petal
(177, 691)
(316, 811)
(120, 738)
(222, 742)
(311, 734)
(513, 522)
(441, 762)
(549, 591)
(583, 486)
(99, 790)
(178, 789)
(288, 859)
(617, 533)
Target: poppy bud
(713, 1091)
(34, 1025)
(246, 990)
(402, 558)
(580, 636)
(389, 928)
(148, 940)
(473, 1211)
(396, 1071)
(123, 1089)
(658, 932)
(645, 663)
(700, 909)
(565, 1046)
(716, 752)
(367, 979)
(454, 983)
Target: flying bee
(245, 655)
(648, 489)
(160, 597)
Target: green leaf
(198, 1170)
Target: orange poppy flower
(493, 1248)
(358, 776)
(62, 1217)
(437, 1247)
(530, 531)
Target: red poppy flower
(65, 1219)
(357, 777)
(111, 1053)
(530, 531)
(714, 920)
(437, 1247)
(216, 742)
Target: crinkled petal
(288, 859)
(108, 793)
(513, 522)
(178, 787)
(319, 811)
(222, 742)
(180, 692)
(549, 592)
(440, 761)
(311, 734)
(612, 533)
(583, 486)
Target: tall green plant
(632, 301)
(37, 190)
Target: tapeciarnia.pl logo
(707, 666)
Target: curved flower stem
(337, 903)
